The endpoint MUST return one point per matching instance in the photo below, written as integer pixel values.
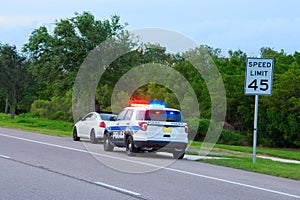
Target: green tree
(14, 78)
(56, 56)
(281, 112)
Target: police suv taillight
(102, 124)
(186, 129)
(143, 126)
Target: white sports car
(92, 126)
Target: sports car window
(93, 117)
(105, 116)
(87, 117)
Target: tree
(280, 114)
(13, 76)
(56, 57)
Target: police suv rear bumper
(160, 145)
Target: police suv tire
(75, 137)
(130, 149)
(107, 146)
(93, 138)
(178, 154)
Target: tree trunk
(13, 104)
(12, 111)
(6, 104)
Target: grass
(264, 166)
(240, 156)
(31, 123)
(292, 154)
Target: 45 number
(263, 84)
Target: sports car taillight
(143, 126)
(102, 124)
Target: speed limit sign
(259, 76)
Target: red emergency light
(147, 104)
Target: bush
(226, 137)
(198, 128)
(41, 108)
(232, 138)
(57, 108)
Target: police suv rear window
(159, 115)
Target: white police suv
(148, 128)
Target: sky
(225, 24)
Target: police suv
(148, 128)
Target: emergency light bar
(150, 104)
(156, 103)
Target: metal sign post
(259, 79)
(255, 128)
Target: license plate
(167, 130)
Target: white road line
(118, 189)
(159, 167)
(2, 156)
(82, 151)
(234, 183)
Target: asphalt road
(36, 166)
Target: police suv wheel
(130, 149)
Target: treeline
(40, 80)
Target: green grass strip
(35, 124)
(264, 166)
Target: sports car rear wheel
(75, 137)
(106, 143)
(93, 138)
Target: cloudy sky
(226, 24)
